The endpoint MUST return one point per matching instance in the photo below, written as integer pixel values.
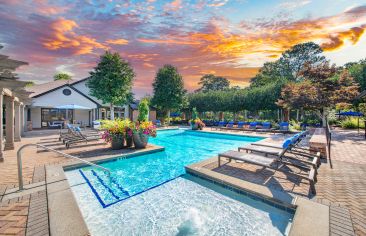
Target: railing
(328, 135)
(19, 159)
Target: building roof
(39, 89)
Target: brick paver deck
(345, 184)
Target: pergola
(14, 97)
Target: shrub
(351, 123)
(143, 110)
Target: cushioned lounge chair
(229, 126)
(220, 125)
(266, 127)
(305, 160)
(271, 162)
(284, 128)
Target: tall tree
(294, 59)
(168, 89)
(320, 90)
(211, 82)
(61, 76)
(358, 71)
(290, 64)
(111, 81)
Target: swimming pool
(151, 194)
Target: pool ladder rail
(19, 161)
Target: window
(50, 115)
(66, 92)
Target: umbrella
(73, 106)
(353, 113)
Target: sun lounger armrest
(266, 145)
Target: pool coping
(65, 217)
(310, 218)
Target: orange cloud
(168, 41)
(173, 6)
(63, 37)
(117, 41)
(337, 40)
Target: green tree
(290, 64)
(211, 82)
(320, 91)
(143, 110)
(111, 81)
(168, 89)
(61, 76)
(358, 71)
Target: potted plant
(114, 133)
(196, 123)
(141, 133)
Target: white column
(1, 126)
(17, 123)
(9, 139)
(22, 119)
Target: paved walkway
(345, 184)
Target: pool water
(151, 194)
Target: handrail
(19, 160)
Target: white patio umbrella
(73, 106)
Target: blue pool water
(152, 195)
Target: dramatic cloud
(227, 38)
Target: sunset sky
(231, 38)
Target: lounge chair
(272, 162)
(301, 158)
(220, 125)
(252, 126)
(266, 127)
(240, 126)
(284, 128)
(79, 136)
(229, 126)
(157, 123)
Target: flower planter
(140, 140)
(129, 141)
(117, 142)
(194, 126)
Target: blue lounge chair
(266, 127)
(220, 125)
(229, 125)
(253, 125)
(158, 123)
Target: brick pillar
(9, 139)
(1, 126)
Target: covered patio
(13, 98)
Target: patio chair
(229, 126)
(266, 127)
(303, 159)
(158, 123)
(272, 162)
(240, 126)
(252, 126)
(220, 125)
(284, 128)
(78, 136)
